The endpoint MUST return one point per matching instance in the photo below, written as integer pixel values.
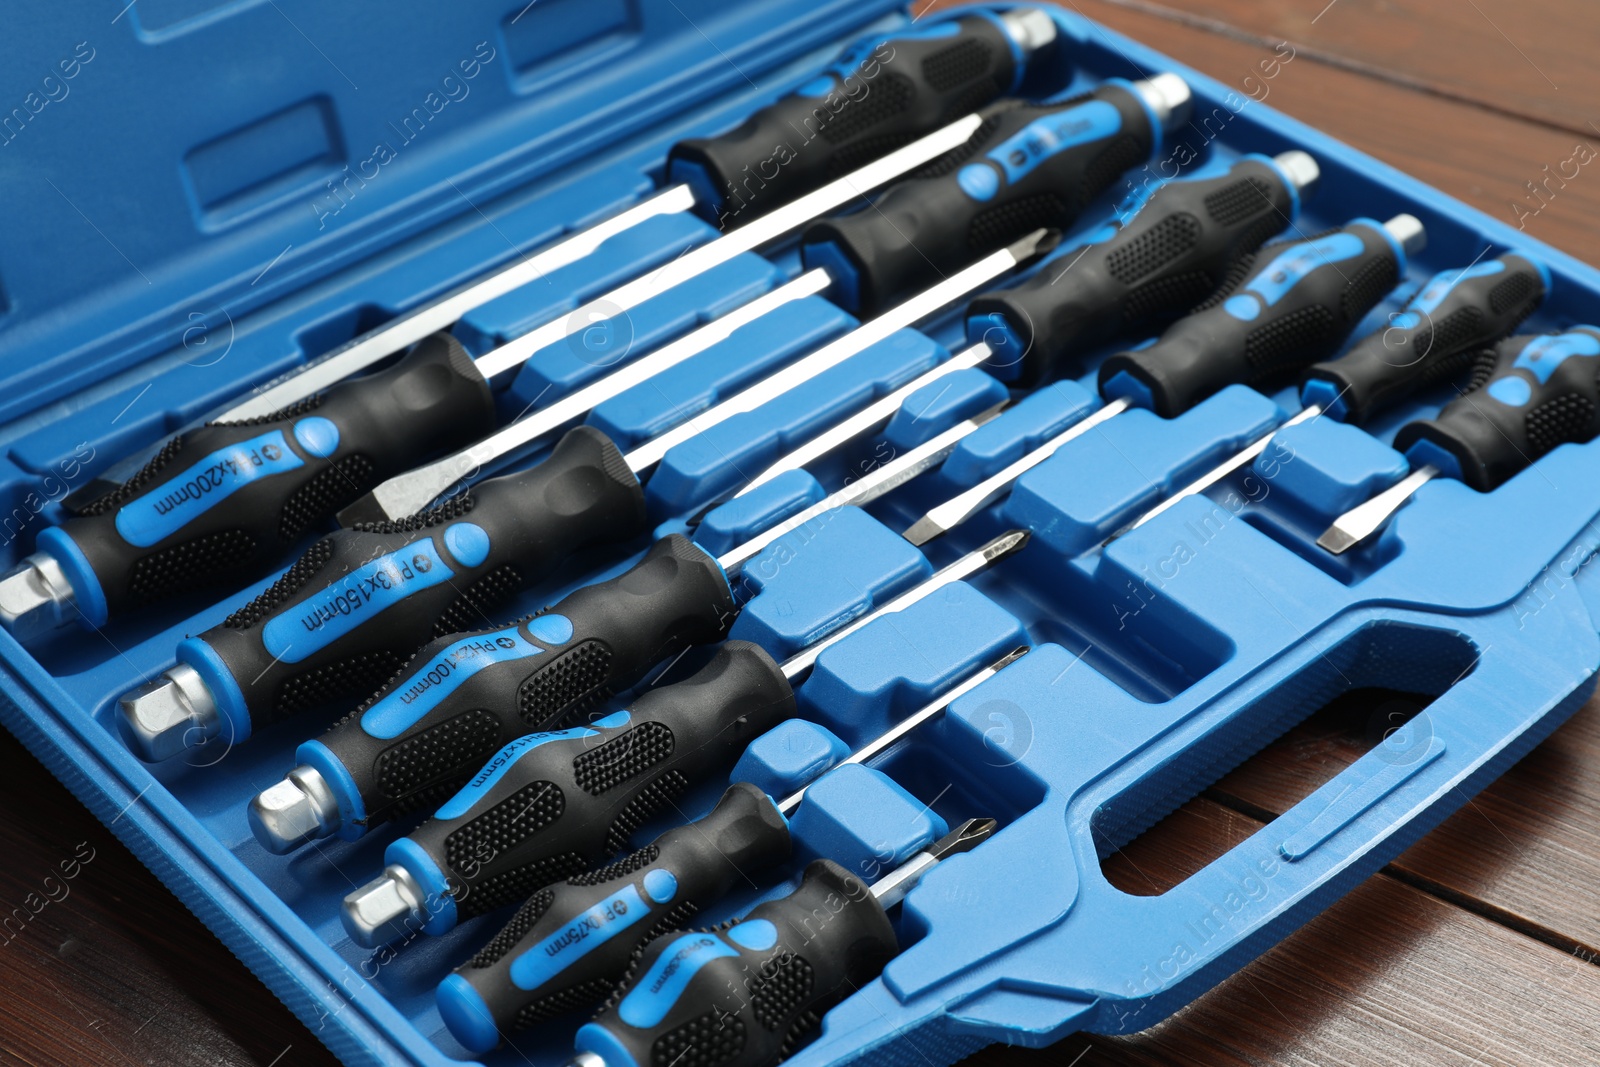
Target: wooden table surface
(1479, 946)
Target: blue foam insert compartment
(1161, 660)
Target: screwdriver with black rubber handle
(1190, 239)
(934, 72)
(222, 504)
(880, 94)
(363, 599)
(1297, 305)
(1030, 165)
(689, 994)
(1434, 339)
(465, 697)
(571, 942)
(549, 805)
(1527, 395)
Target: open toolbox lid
(184, 162)
(1119, 721)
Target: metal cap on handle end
(1169, 97)
(1409, 232)
(1030, 28)
(373, 914)
(1301, 169)
(36, 598)
(168, 715)
(298, 809)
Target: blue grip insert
(897, 664)
(1323, 468)
(595, 350)
(820, 577)
(1104, 479)
(715, 463)
(864, 821)
(750, 353)
(729, 525)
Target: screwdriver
(1296, 307)
(1527, 395)
(345, 616)
(227, 500)
(407, 493)
(1031, 165)
(572, 942)
(1183, 243)
(931, 74)
(693, 998)
(545, 808)
(1437, 336)
(464, 697)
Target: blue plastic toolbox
(206, 194)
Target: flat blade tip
(923, 530)
(365, 510)
(1337, 540)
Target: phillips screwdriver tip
(1007, 543)
(964, 838)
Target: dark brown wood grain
(108, 968)
(1389, 975)
(1522, 58)
(1482, 157)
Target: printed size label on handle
(653, 998)
(1288, 270)
(604, 921)
(1018, 155)
(440, 677)
(500, 764)
(317, 621)
(168, 508)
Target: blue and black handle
(222, 504)
(1190, 239)
(354, 608)
(550, 805)
(1299, 303)
(1436, 338)
(565, 949)
(747, 993)
(1527, 395)
(882, 94)
(1028, 167)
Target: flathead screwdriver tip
(923, 530)
(368, 509)
(35, 598)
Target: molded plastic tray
(1161, 661)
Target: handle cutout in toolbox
(1400, 658)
